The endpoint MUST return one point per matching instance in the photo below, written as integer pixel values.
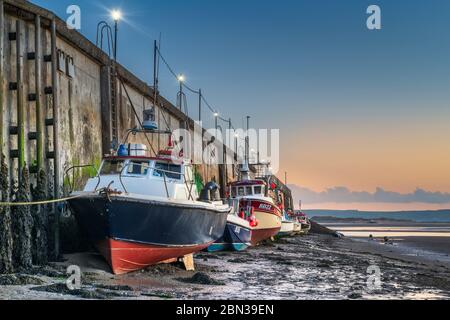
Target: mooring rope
(21, 204)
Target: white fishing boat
(142, 210)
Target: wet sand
(303, 268)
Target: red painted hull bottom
(263, 234)
(124, 257)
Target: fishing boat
(303, 225)
(252, 196)
(236, 237)
(297, 228)
(287, 227)
(297, 224)
(140, 210)
(302, 218)
(284, 198)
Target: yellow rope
(19, 204)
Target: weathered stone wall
(80, 112)
(82, 129)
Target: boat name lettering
(265, 206)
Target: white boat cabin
(161, 177)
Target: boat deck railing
(234, 203)
(72, 170)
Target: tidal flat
(301, 268)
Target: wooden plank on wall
(2, 87)
(105, 94)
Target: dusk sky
(356, 108)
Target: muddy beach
(309, 267)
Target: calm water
(391, 231)
(417, 216)
(420, 239)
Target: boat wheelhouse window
(233, 192)
(138, 167)
(258, 190)
(171, 171)
(248, 191)
(110, 167)
(241, 192)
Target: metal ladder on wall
(17, 86)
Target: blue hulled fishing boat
(236, 237)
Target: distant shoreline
(416, 216)
(375, 206)
(380, 211)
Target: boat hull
(234, 238)
(287, 229)
(306, 227)
(124, 257)
(297, 228)
(259, 235)
(268, 217)
(133, 233)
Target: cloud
(344, 195)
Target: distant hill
(345, 195)
(328, 219)
(419, 216)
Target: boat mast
(245, 166)
(155, 74)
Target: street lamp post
(199, 105)
(115, 39)
(116, 15)
(216, 116)
(180, 79)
